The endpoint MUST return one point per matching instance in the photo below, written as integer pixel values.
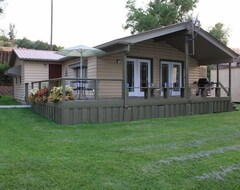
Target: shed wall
(224, 79)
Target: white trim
(171, 64)
(137, 63)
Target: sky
(93, 22)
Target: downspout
(186, 66)
(217, 76)
(230, 80)
(187, 92)
(124, 84)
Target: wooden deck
(107, 104)
(115, 110)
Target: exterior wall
(18, 83)
(67, 71)
(163, 51)
(224, 79)
(108, 68)
(30, 71)
(92, 67)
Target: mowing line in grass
(199, 155)
(220, 174)
(176, 145)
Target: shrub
(37, 95)
(56, 94)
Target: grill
(204, 87)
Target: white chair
(90, 89)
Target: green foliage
(39, 45)
(3, 38)
(38, 96)
(4, 67)
(158, 13)
(196, 152)
(1, 6)
(4, 78)
(56, 94)
(220, 32)
(12, 32)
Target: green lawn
(7, 100)
(195, 152)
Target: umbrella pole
(81, 65)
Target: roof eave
(218, 44)
(146, 35)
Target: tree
(39, 45)
(4, 78)
(1, 6)
(12, 32)
(158, 13)
(220, 32)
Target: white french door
(171, 76)
(138, 76)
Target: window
(77, 72)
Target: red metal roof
(39, 55)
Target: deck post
(217, 76)
(96, 89)
(63, 89)
(229, 79)
(124, 84)
(188, 37)
(217, 90)
(187, 65)
(39, 85)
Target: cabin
(153, 74)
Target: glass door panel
(130, 75)
(171, 76)
(165, 75)
(138, 76)
(144, 75)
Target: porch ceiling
(205, 51)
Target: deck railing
(94, 89)
(82, 88)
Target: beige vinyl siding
(35, 71)
(18, 86)
(92, 67)
(163, 51)
(70, 72)
(108, 68)
(30, 71)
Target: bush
(56, 94)
(37, 95)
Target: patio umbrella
(81, 51)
